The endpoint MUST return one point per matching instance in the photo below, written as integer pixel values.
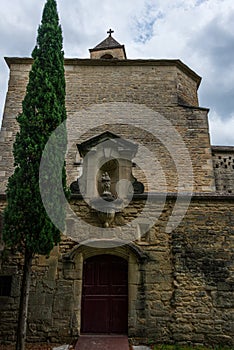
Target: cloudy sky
(199, 32)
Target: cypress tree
(27, 227)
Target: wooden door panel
(89, 274)
(103, 274)
(95, 317)
(105, 295)
(97, 290)
(119, 308)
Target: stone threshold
(102, 342)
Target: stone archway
(74, 268)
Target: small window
(107, 56)
(5, 286)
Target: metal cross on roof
(110, 31)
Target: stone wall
(98, 94)
(116, 53)
(223, 160)
(187, 90)
(201, 303)
(181, 284)
(180, 280)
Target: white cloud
(199, 32)
(221, 131)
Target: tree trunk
(24, 297)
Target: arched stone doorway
(104, 306)
(73, 263)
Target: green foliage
(26, 223)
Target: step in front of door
(102, 342)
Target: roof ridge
(107, 43)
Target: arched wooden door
(105, 295)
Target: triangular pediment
(105, 138)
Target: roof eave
(142, 62)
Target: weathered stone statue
(106, 183)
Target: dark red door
(105, 295)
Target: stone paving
(103, 342)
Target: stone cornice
(213, 196)
(222, 148)
(128, 62)
(194, 107)
(173, 195)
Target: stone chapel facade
(149, 247)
